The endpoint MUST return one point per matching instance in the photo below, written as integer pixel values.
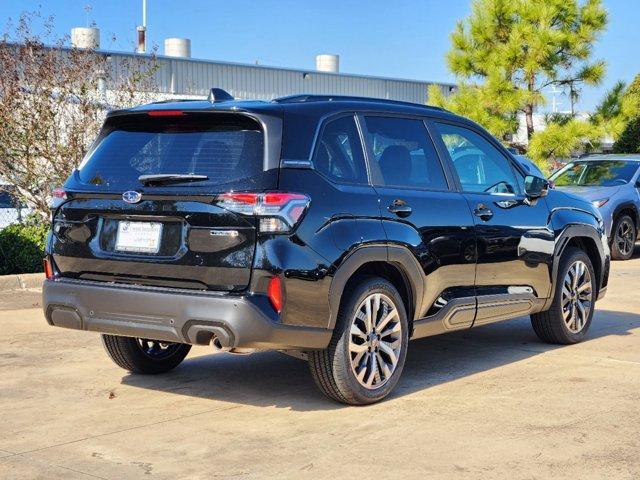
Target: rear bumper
(184, 317)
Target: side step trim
(467, 312)
(494, 308)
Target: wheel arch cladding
(627, 209)
(588, 245)
(399, 268)
(587, 238)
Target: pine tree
(511, 50)
(629, 139)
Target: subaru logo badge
(131, 196)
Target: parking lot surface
(492, 402)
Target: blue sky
(403, 38)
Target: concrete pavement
(492, 402)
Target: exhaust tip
(217, 344)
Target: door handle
(483, 212)
(400, 208)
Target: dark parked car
(334, 227)
(612, 184)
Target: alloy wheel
(577, 296)
(624, 237)
(375, 341)
(156, 349)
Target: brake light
(279, 212)
(48, 269)
(165, 113)
(274, 292)
(59, 193)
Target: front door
(421, 212)
(515, 245)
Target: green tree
(474, 103)
(629, 139)
(559, 140)
(511, 50)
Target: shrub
(22, 247)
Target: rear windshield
(602, 173)
(228, 149)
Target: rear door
(515, 244)
(121, 226)
(420, 211)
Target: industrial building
(180, 75)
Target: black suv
(332, 228)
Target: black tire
(331, 368)
(136, 355)
(550, 325)
(623, 238)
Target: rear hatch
(144, 207)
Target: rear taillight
(279, 212)
(48, 269)
(274, 292)
(59, 193)
(58, 197)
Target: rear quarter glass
(228, 149)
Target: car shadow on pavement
(273, 379)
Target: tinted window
(604, 174)
(480, 166)
(225, 148)
(338, 154)
(404, 153)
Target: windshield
(601, 173)
(222, 149)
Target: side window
(339, 154)
(480, 166)
(405, 154)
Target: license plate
(138, 237)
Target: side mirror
(638, 183)
(535, 187)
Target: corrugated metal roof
(183, 76)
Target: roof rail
(302, 98)
(171, 100)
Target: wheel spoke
(383, 323)
(355, 330)
(581, 313)
(390, 353)
(356, 348)
(583, 287)
(363, 369)
(391, 330)
(566, 295)
(572, 318)
(385, 368)
(356, 360)
(373, 370)
(368, 320)
(375, 310)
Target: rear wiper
(171, 178)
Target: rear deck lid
(143, 206)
